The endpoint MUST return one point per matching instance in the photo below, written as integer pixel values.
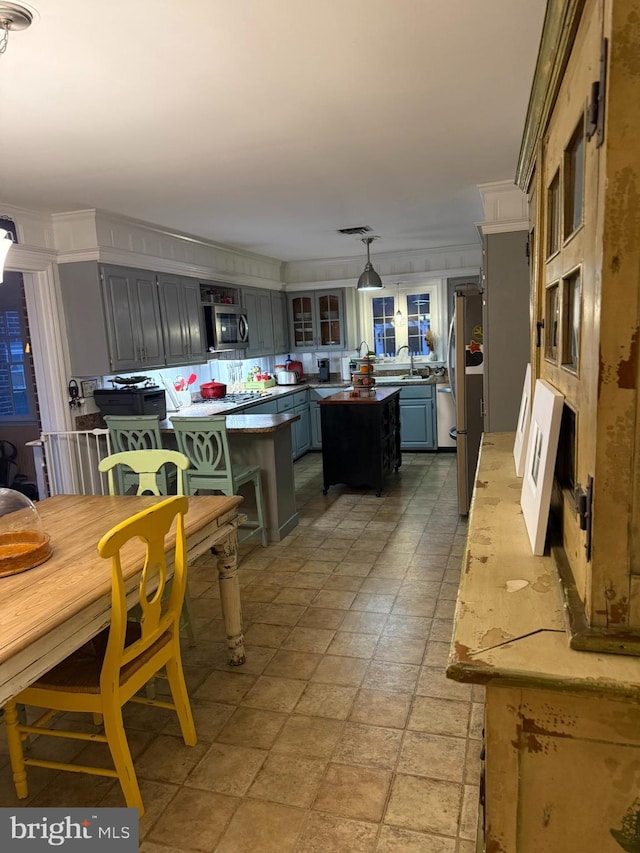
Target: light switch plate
(89, 386)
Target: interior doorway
(19, 415)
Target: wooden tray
(23, 550)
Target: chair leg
(175, 677)
(123, 763)
(14, 742)
(185, 617)
(260, 508)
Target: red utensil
(192, 378)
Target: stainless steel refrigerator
(466, 373)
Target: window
(418, 305)
(574, 181)
(552, 319)
(571, 321)
(14, 398)
(553, 216)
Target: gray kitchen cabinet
(316, 394)
(181, 319)
(259, 315)
(418, 418)
(298, 404)
(317, 320)
(112, 316)
(280, 328)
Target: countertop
(238, 423)
(342, 397)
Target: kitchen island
(360, 438)
(265, 441)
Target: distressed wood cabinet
(580, 164)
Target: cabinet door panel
(121, 319)
(413, 421)
(150, 328)
(193, 319)
(171, 304)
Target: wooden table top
(36, 601)
(342, 397)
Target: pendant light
(13, 16)
(369, 280)
(399, 314)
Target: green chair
(205, 443)
(144, 466)
(139, 432)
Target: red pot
(213, 390)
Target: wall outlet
(89, 386)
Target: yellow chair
(205, 443)
(107, 672)
(146, 464)
(139, 432)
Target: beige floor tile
(326, 700)
(262, 827)
(437, 654)
(347, 672)
(445, 609)
(400, 649)
(167, 759)
(440, 716)
(344, 583)
(424, 805)
(433, 682)
(263, 634)
(252, 728)
(469, 814)
(414, 605)
(354, 792)
(393, 677)
(370, 746)
(265, 592)
(257, 660)
(225, 687)
(353, 567)
(380, 586)
(293, 595)
(318, 617)
(373, 603)
(441, 630)
(312, 737)
(378, 708)
(309, 640)
(227, 769)
(309, 580)
(472, 764)
(467, 846)
(388, 569)
(285, 564)
(321, 566)
(476, 723)
(394, 840)
(353, 645)
(413, 627)
(334, 598)
(361, 622)
(280, 614)
(324, 833)
(274, 694)
(292, 783)
(150, 847)
(200, 817)
(288, 664)
(435, 756)
(68, 790)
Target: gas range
(240, 397)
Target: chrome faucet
(411, 368)
(359, 350)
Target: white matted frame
(522, 430)
(542, 447)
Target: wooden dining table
(49, 611)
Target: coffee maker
(323, 370)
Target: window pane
(551, 320)
(384, 332)
(553, 216)
(571, 320)
(418, 322)
(574, 181)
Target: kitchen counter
(235, 423)
(341, 397)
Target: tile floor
(341, 733)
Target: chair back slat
(206, 445)
(151, 526)
(141, 432)
(146, 464)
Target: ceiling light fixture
(399, 314)
(13, 16)
(369, 280)
(6, 241)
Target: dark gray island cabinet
(360, 438)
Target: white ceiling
(268, 124)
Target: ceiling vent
(357, 230)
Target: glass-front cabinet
(317, 320)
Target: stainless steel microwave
(226, 327)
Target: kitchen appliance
(347, 367)
(445, 418)
(296, 366)
(465, 366)
(226, 327)
(323, 370)
(213, 390)
(287, 377)
(131, 401)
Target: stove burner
(240, 397)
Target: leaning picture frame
(522, 428)
(542, 448)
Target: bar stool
(139, 432)
(205, 443)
